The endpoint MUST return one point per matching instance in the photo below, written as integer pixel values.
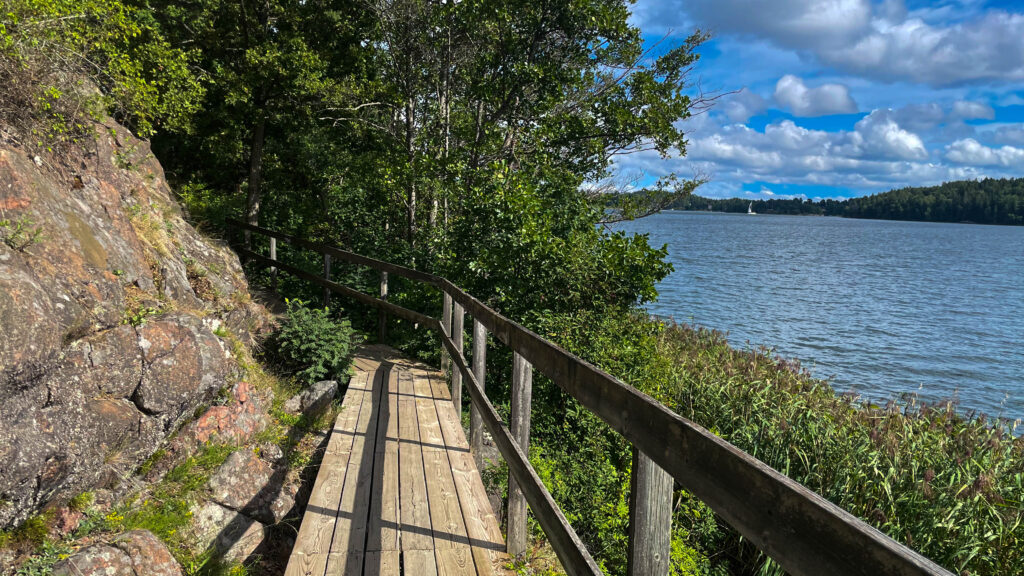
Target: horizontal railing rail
(805, 533)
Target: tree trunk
(255, 196)
(410, 139)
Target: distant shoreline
(991, 201)
(839, 216)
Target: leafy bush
(55, 54)
(948, 486)
(311, 344)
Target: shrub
(311, 344)
(64, 61)
(947, 485)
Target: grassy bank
(947, 486)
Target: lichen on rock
(110, 320)
(134, 553)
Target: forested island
(988, 201)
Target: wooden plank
(521, 402)
(650, 518)
(446, 327)
(445, 511)
(485, 561)
(419, 562)
(575, 558)
(328, 564)
(394, 309)
(416, 532)
(273, 269)
(476, 425)
(327, 277)
(481, 522)
(345, 564)
(338, 253)
(455, 562)
(429, 427)
(382, 563)
(382, 315)
(306, 565)
(384, 519)
(351, 527)
(314, 539)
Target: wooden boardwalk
(398, 491)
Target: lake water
(879, 308)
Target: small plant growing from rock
(311, 344)
(82, 502)
(21, 233)
(137, 316)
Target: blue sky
(839, 98)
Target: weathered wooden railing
(803, 532)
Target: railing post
(382, 316)
(327, 276)
(522, 394)
(650, 518)
(446, 323)
(476, 423)
(458, 318)
(273, 269)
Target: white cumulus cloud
(967, 110)
(983, 49)
(741, 106)
(879, 135)
(933, 45)
(971, 152)
(792, 93)
(1009, 134)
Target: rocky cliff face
(111, 318)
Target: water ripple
(882, 308)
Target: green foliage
(311, 344)
(34, 531)
(82, 502)
(41, 564)
(147, 465)
(944, 485)
(54, 54)
(21, 233)
(166, 509)
(136, 315)
(947, 486)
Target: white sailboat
(750, 208)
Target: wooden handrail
(805, 533)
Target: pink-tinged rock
(249, 485)
(85, 397)
(134, 553)
(236, 422)
(65, 521)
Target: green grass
(948, 486)
(166, 508)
